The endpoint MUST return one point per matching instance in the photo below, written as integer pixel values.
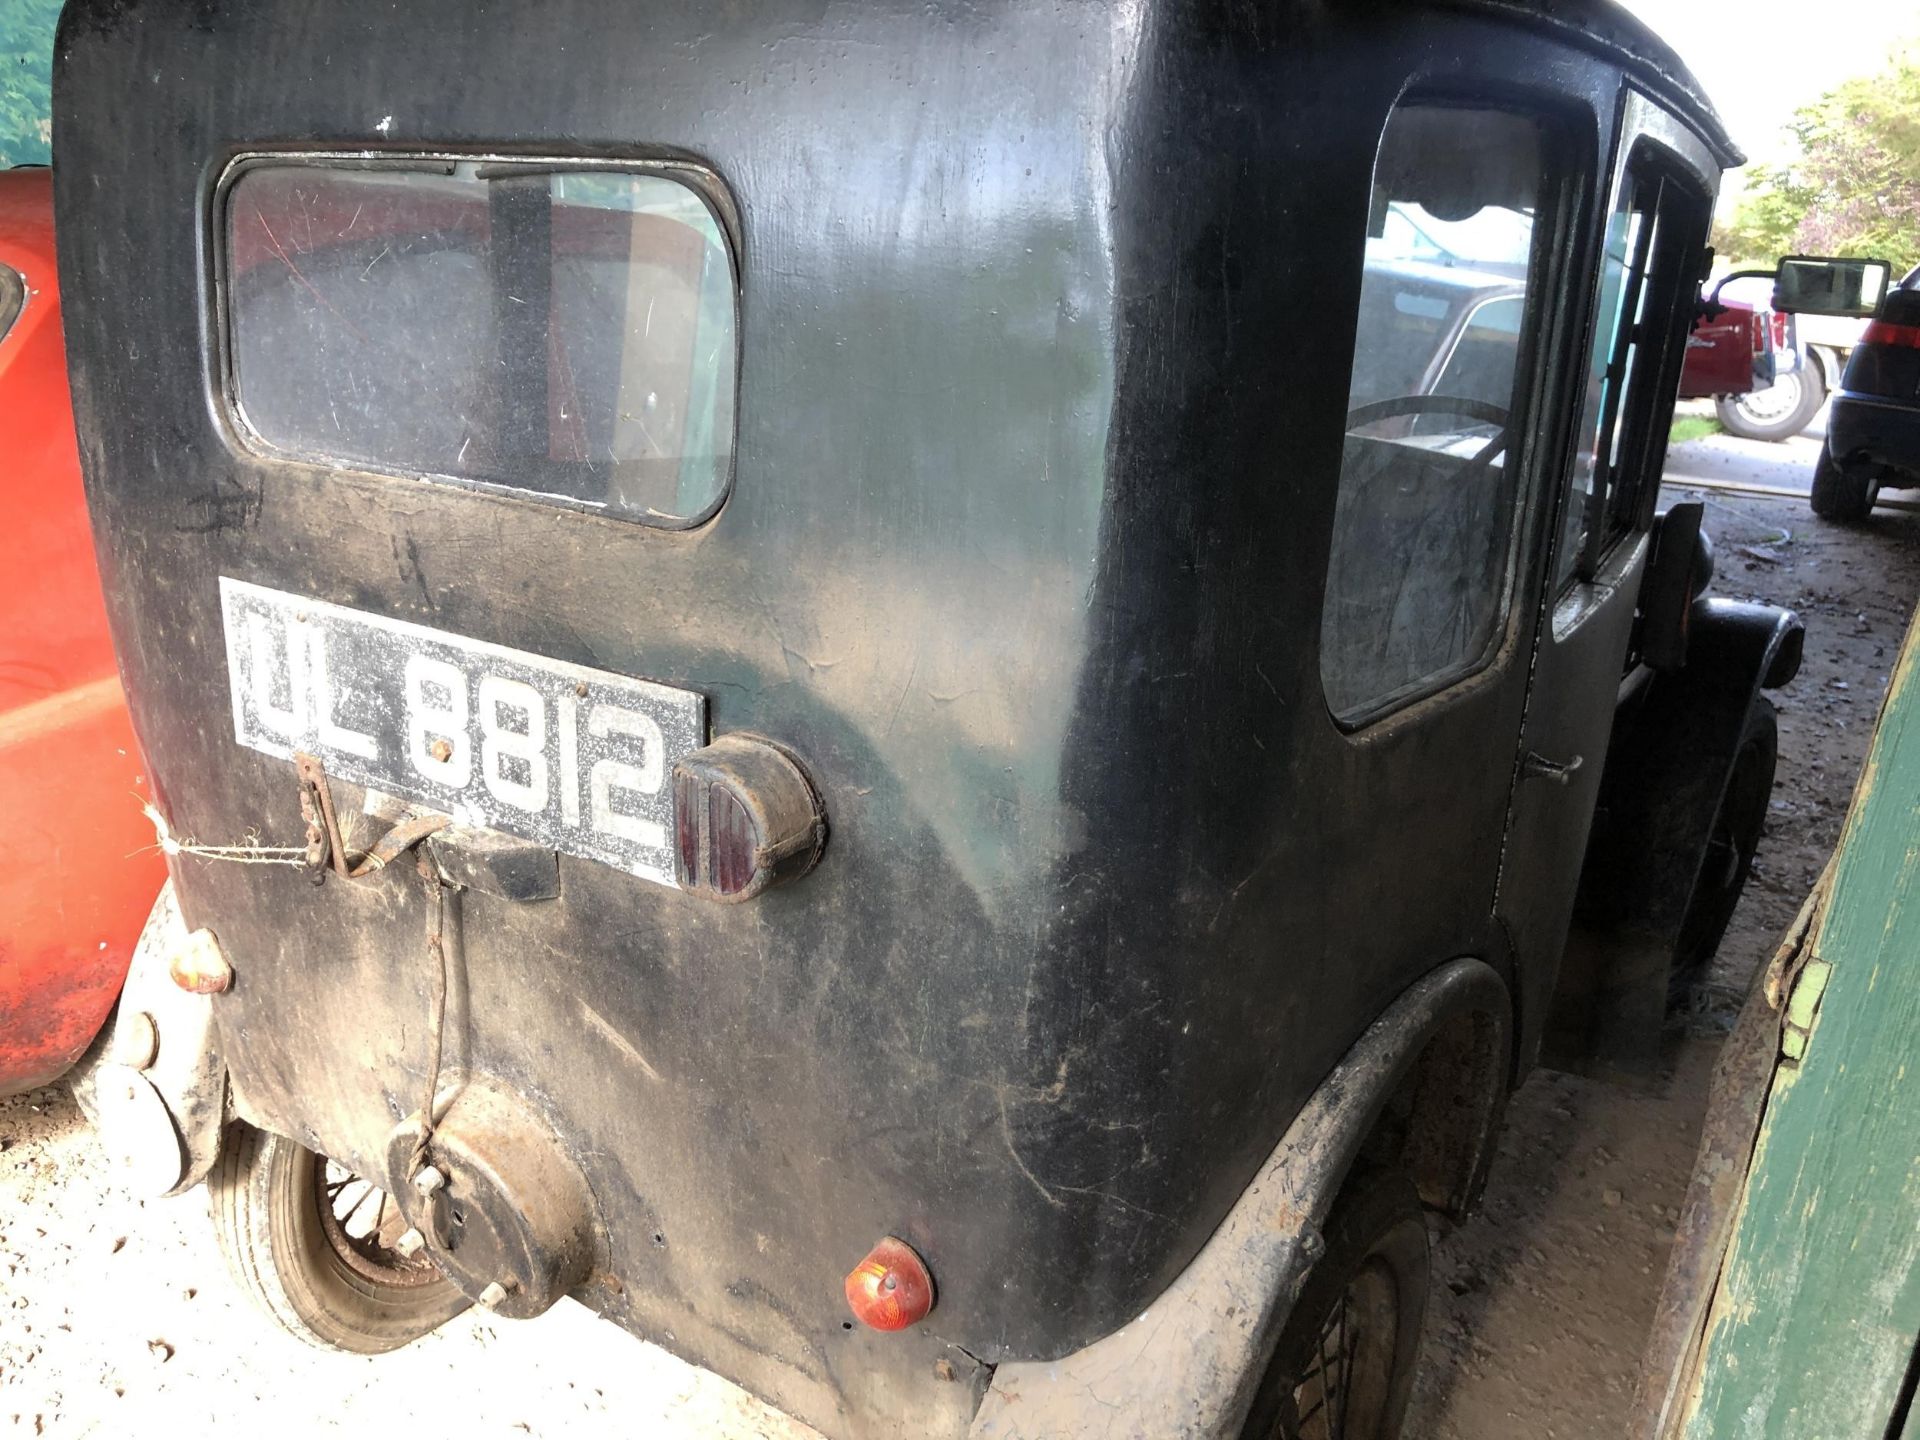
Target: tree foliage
(1852, 187)
(26, 80)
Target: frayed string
(248, 854)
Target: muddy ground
(117, 1315)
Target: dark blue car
(1873, 430)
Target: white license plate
(577, 759)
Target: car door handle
(1537, 767)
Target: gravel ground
(118, 1313)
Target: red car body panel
(1728, 354)
(78, 867)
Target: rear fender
(154, 1084)
(1188, 1368)
(1667, 771)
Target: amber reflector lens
(890, 1289)
(199, 966)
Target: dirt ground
(116, 1313)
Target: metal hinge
(1803, 1003)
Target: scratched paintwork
(1815, 1324)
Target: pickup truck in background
(1732, 353)
(1811, 352)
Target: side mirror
(1821, 285)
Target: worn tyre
(1343, 1368)
(272, 1214)
(1840, 492)
(1730, 848)
(1779, 412)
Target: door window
(1424, 523)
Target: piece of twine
(249, 853)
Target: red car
(78, 867)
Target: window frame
(221, 373)
(1629, 420)
(1567, 175)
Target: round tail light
(890, 1289)
(746, 818)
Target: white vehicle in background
(1810, 355)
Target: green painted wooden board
(1816, 1319)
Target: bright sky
(1761, 60)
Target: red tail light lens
(1885, 332)
(745, 818)
(1757, 331)
(890, 1289)
(732, 845)
(686, 824)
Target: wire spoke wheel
(316, 1246)
(1343, 1366)
(1345, 1390)
(363, 1225)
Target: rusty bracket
(324, 842)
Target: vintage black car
(870, 685)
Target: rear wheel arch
(1441, 1120)
(1442, 1049)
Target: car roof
(1604, 26)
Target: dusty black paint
(1046, 315)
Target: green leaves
(1854, 186)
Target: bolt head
(493, 1295)
(428, 1179)
(441, 750)
(410, 1244)
(136, 1042)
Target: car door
(1656, 224)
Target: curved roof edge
(1604, 26)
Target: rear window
(569, 333)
